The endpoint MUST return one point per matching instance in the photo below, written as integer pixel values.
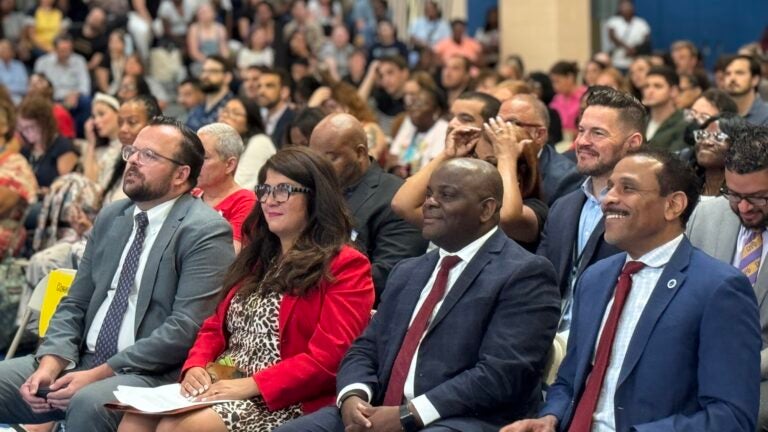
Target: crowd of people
(312, 224)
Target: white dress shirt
(643, 283)
(156, 217)
(427, 412)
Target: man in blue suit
(456, 348)
(611, 126)
(674, 345)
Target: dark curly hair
(262, 266)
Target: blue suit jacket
(693, 363)
(481, 359)
(558, 174)
(560, 234)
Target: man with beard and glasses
(214, 83)
(742, 78)
(151, 272)
(732, 228)
(664, 337)
(611, 126)
(383, 235)
(272, 94)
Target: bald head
(341, 139)
(528, 112)
(462, 204)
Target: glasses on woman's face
(146, 156)
(280, 193)
(720, 138)
(231, 112)
(691, 115)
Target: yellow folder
(58, 285)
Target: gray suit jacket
(180, 286)
(714, 228)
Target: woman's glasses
(280, 193)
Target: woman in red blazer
(300, 296)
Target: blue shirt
(199, 117)
(430, 32)
(13, 75)
(591, 213)
(758, 113)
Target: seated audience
(301, 127)
(422, 135)
(244, 116)
(18, 186)
(666, 125)
(741, 78)
(215, 78)
(109, 74)
(205, 37)
(384, 82)
(299, 295)
(650, 352)
(273, 96)
(690, 88)
(479, 365)
(13, 74)
(567, 93)
(151, 272)
(712, 142)
(216, 184)
(368, 190)
(732, 228)
(102, 148)
(49, 153)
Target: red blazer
(315, 332)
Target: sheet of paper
(156, 400)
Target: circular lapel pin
(672, 283)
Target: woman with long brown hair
(300, 295)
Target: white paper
(158, 399)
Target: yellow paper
(58, 286)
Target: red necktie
(394, 394)
(582, 419)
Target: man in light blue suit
(674, 346)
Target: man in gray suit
(732, 228)
(150, 274)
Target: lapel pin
(672, 283)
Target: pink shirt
(469, 48)
(568, 107)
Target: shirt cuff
(427, 412)
(351, 387)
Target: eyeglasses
(145, 156)
(211, 71)
(692, 115)
(716, 137)
(757, 201)
(280, 193)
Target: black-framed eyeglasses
(717, 137)
(146, 156)
(280, 193)
(733, 197)
(521, 124)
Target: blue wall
(716, 26)
(476, 10)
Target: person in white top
(626, 32)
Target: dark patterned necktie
(106, 343)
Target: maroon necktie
(582, 419)
(394, 394)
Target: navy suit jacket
(481, 360)
(558, 174)
(693, 363)
(561, 234)
(281, 128)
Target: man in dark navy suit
(610, 126)
(664, 337)
(461, 336)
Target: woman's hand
(90, 134)
(196, 382)
(507, 138)
(461, 141)
(234, 389)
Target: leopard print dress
(252, 323)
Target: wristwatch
(408, 420)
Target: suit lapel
(491, 247)
(406, 305)
(591, 247)
(149, 275)
(570, 237)
(670, 283)
(727, 235)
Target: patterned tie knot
(631, 268)
(449, 262)
(141, 221)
